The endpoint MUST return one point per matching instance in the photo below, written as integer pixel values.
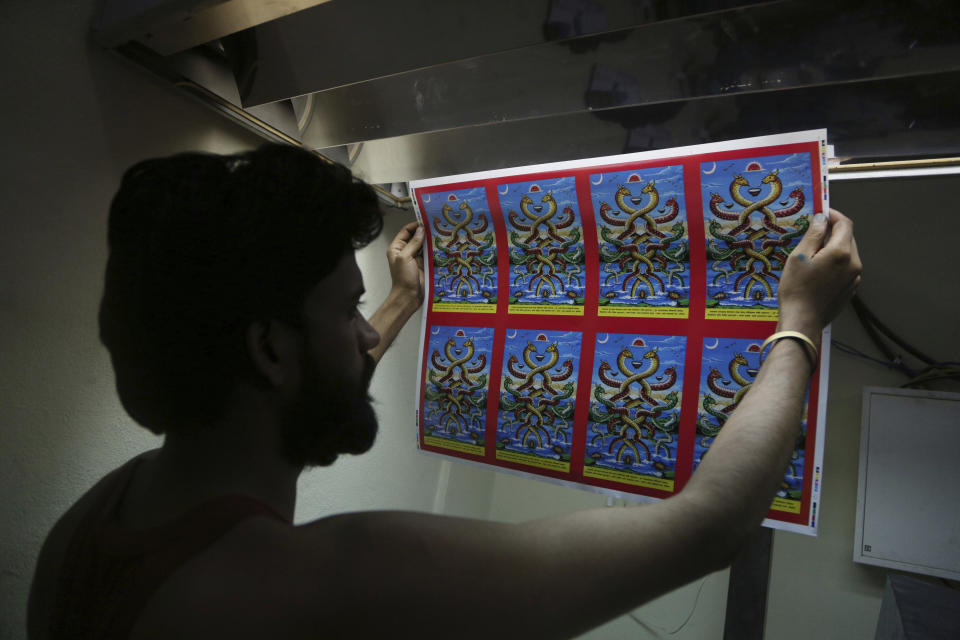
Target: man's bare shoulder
(54, 550)
(265, 578)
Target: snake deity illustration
(537, 398)
(456, 396)
(465, 261)
(723, 393)
(756, 240)
(546, 253)
(641, 256)
(634, 408)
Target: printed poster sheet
(596, 322)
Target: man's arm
(817, 281)
(563, 575)
(406, 294)
(421, 575)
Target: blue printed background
(734, 276)
(536, 409)
(553, 250)
(620, 280)
(722, 377)
(465, 259)
(455, 404)
(615, 418)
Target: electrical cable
(845, 348)
(950, 376)
(874, 327)
(692, 609)
(948, 370)
(871, 332)
(657, 630)
(896, 339)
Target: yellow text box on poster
(546, 310)
(543, 463)
(782, 504)
(626, 311)
(454, 445)
(464, 307)
(602, 473)
(741, 313)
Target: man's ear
(273, 348)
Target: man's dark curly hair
(201, 245)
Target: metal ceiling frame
(160, 66)
(208, 74)
(172, 26)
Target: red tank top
(109, 574)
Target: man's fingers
(841, 230)
(855, 257)
(812, 240)
(403, 237)
(413, 244)
(399, 240)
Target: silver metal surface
(423, 88)
(649, 79)
(897, 118)
(205, 79)
(171, 26)
(204, 74)
(342, 43)
(731, 52)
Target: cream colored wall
(75, 118)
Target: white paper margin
(427, 289)
(811, 135)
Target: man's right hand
(821, 274)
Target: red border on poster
(695, 327)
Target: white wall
(76, 117)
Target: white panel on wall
(907, 515)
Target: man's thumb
(812, 240)
(414, 243)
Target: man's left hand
(406, 262)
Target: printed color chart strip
(596, 322)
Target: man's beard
(331, 416)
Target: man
(230, 311)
